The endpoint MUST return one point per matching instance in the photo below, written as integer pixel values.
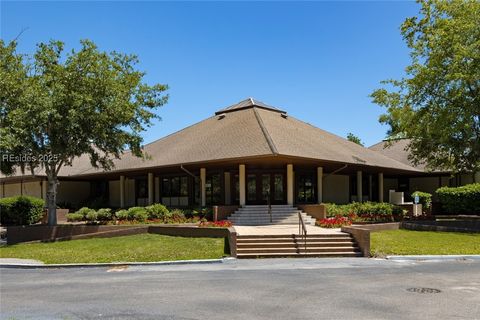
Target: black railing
(269, 207)
(302, 231)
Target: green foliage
(104, 214)
(157, 211)
(176, 216)
(460, 200)
(366, 211)
(122, 214)
(436, 105)
(58, 105)
(425, 198)
(84, 211)
(74, 217)
(353, 138)
(137, 213)
(21, 210)
(91, 216)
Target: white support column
(290, 184)
(319, 185)
(122, 191)
(380, 187)
(203, 180)
(370, 187)
(226, 184)
(150, 188)
(241, 183)
(359, 186)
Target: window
(213, 189)
(99, 189)
(251, 187)
(142, 188)
(175, 187)
(306, 189)
(175, 191)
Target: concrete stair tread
(299, 255)
(280, 243)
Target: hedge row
(365, 211)
(21, 210)
(156, 212)
(460, 200)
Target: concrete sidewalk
(282, 229)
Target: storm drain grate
(423, 290)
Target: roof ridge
(265, 132)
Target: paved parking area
(342, 288)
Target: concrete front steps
(277, 246)
(258, 215)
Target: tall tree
(437, 103)
(57, 106)
(353, 138)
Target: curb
(112, 264)
(433, 257)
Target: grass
(407, 242)
(141, 248)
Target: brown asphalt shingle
(247, 129)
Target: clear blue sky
(319, 61)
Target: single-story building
(248, 153)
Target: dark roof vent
(284, 115)
(221, 116)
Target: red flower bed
(216, 224)
(335, 222)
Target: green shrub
(21, 210)
(424, 198)
(104, 214)
(366, 211)
(91, 216)
(122, 214)
(137, 213)
(176, 216)
(157, 211)
(74, 217)
(460, 200)
(84, 212)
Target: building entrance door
(263, 186)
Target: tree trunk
(52, 199)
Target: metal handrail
(302, 230)
(269, 207)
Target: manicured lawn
(144, 247)
(407, 242)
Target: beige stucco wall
(33, 189)
(336, 189)
(389, 184)
(74, 192)
(425, 184)
(129, 192)
(114, 193)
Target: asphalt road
(278, 289)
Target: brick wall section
(223, 212)
(317, 211)
(361, 234)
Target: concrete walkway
(282, 229)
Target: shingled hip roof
(249, 129)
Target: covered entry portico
(267, 180)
